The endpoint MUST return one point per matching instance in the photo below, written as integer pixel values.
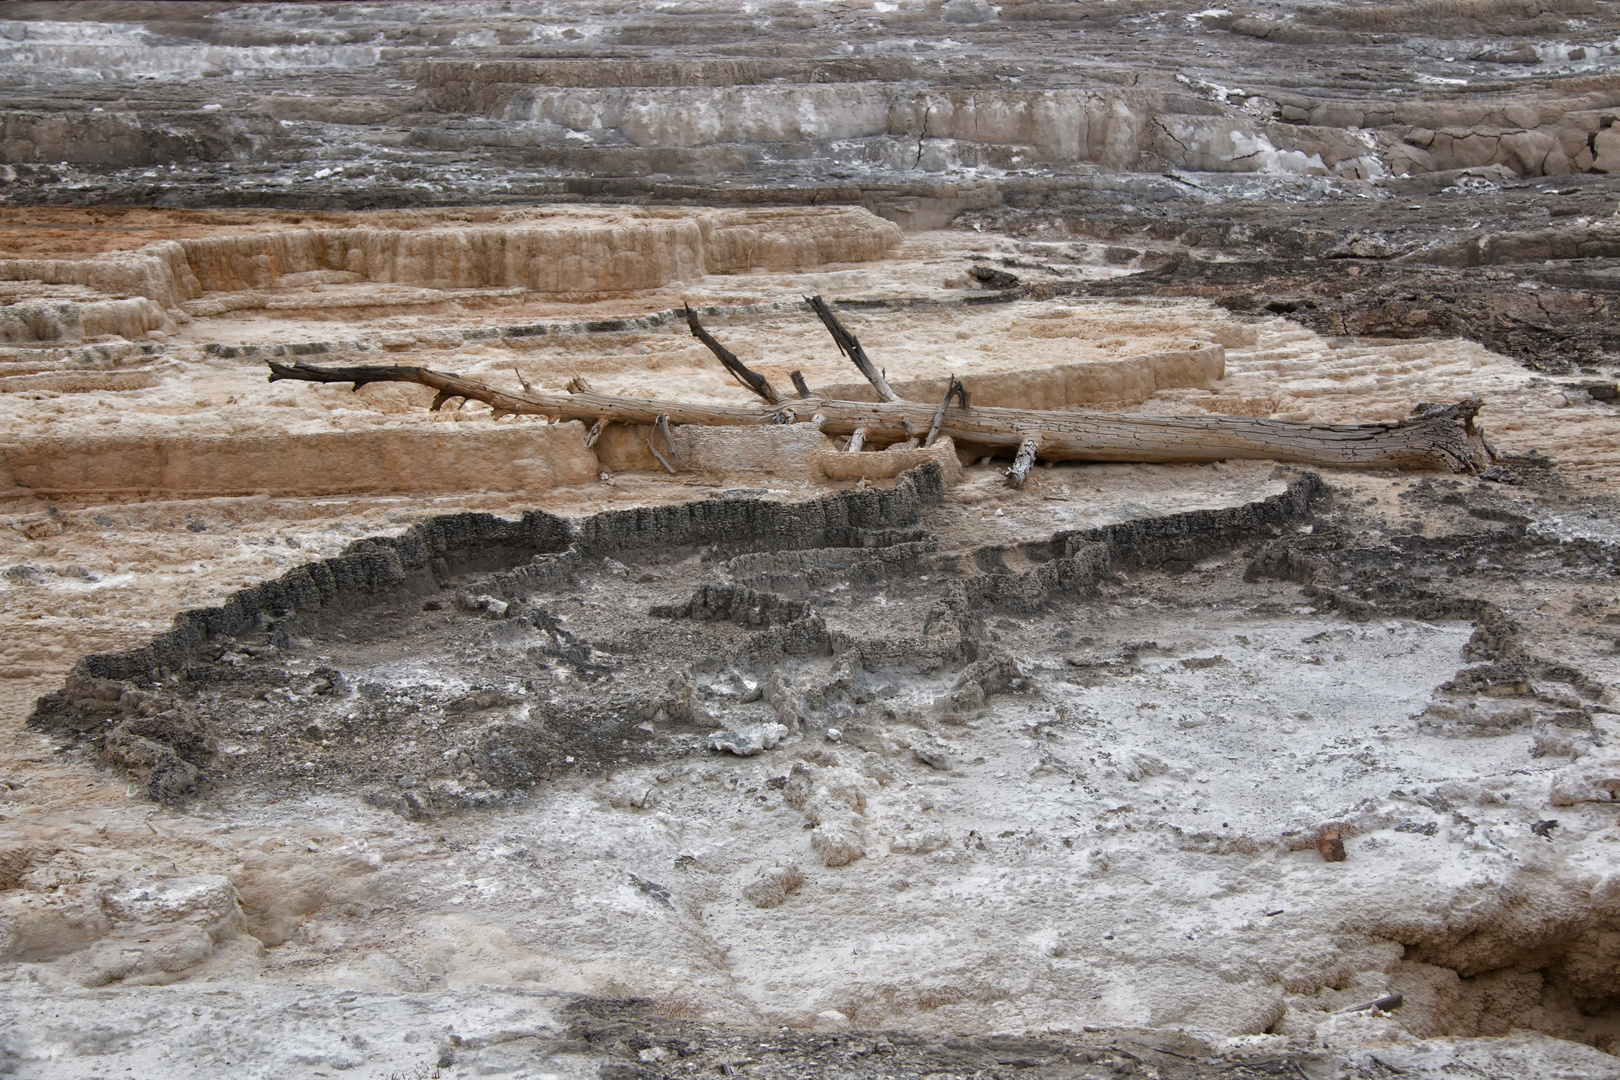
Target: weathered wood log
(1022, 463)
(1438, 437)
(856, 441)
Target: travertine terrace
(344, 735)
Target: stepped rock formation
(343, 734)
(479, 104)
(565, 252)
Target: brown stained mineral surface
(352, 731)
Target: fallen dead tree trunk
(1437, 437)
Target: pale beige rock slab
(433, 457)
(562, 251)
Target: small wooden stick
(848, 346)
(595, 432)
(1022, 463)
(856, 441)
(800, 385)
(578, 385)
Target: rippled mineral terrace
(341, 734)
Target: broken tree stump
(952, 389)
(1022, 463)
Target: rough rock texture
(520, 1032)
(415, 103)
(477, 750)
(891, 724)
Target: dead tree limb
(1022, 463)
(952, 389)
(595, 432)
(740, 371)
(578, 404)
(800, 385)
(1440, 437)
(852, 348)
(857, 440)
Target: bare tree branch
(661, 427)
(740, 371)
(852, 348)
